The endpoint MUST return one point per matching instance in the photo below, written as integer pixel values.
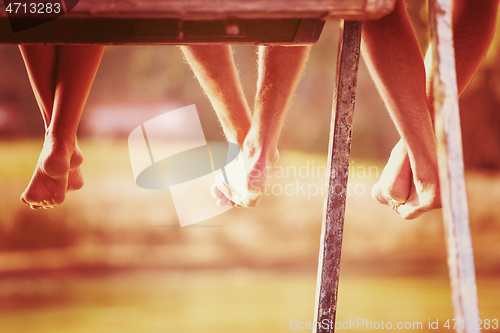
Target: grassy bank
(113, 258)
(112, 222)
(221, 301)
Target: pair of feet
(243, 181)
(398, 187)
(58, 171)
(401, 189)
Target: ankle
(425, 174)
(59, 141)
(259, 150)
(238, 138)
(399, 149)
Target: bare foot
(424, 196)
(75, 176)
(408, 194)
(50, 180)
(244, 180)
(393, 187)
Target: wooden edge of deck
(176, 22)
(219, 10)
(106, 31)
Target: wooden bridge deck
(178, 21)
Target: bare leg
(392, 54)
(214, 67)
(61, 90)
(41, 62)
(280, 68)
(279, 72)
(473, 30)
(473, 27)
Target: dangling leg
(41, 65)
(473, 27)
(41, 62)
(73, 70)
(473, 30)
(393, 56)
(214, 68)
(279, 72)
(280, 68)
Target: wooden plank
(223, 9)
(451, 169)
(308, 30)
(338, 164)
(164, 31)
(175, 21)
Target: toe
(409, 212)
(222, 200)
(215, 192)
(227, 202)
(377, 195)
(395, 206)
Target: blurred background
(113, 257)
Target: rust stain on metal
(338, 164)
(451, 169)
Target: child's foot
(247, 178)
(49, 183)
(393, 187)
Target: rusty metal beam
(338, 164)
(451, 169)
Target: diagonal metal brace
(338, 165)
